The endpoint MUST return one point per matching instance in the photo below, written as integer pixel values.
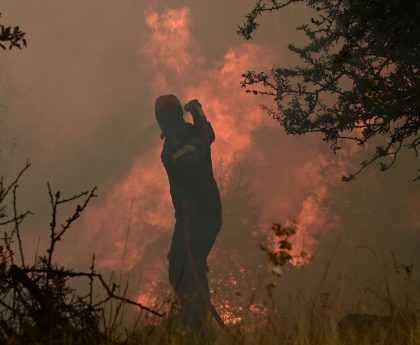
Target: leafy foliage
(280, 255)
(360, 77)
(13, 36)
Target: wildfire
(170, 38)
(304, 183)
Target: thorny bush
(36, 301)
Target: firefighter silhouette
(186, 156)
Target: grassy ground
(321, 323)
(322, 327)
(38, 306)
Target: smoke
(169, 43)
(82, 111)
(137, 240)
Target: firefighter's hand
(192, 105)
(188, 208)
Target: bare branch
(3, 193)
(110, 290)
(17, 225)
(55, 201)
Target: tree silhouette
(359, 79)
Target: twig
(3, 193)
(17, 225)
(110, 291)
(55, 201)
(36, 250)
(92, 271)
(127, 234)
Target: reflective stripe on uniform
(183, 151)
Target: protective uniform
(186, 156)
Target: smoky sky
(78, 103)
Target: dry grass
(37, 306)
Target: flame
(233, 297)
(232, 113)
(147, 298)
(238, 123)
(145, 186)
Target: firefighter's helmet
(168, 110)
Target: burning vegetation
(39, 306)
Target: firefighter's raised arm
(200, 121)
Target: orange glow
(169, 41)
(145, 185)
(232, 296)
(147, 298)
(237, 119)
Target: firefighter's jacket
(186, 156)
